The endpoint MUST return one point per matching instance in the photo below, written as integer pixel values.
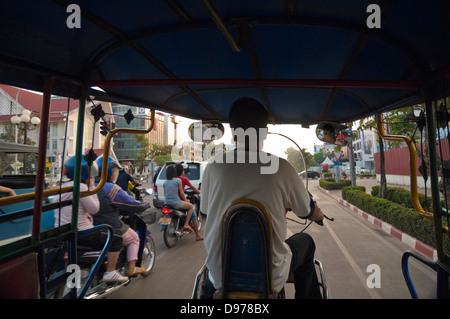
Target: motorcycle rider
(172, 187)
(112, 200)
(88, 207)
(186, 182)
(225, 181)
(124, 180)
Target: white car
(193, 170)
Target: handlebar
(320, 222)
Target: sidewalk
(412, 242)
(370, 182)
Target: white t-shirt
(223, 183)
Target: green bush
(366, 175)
(330, 183)
(403, 218)
(402, 197)
(350, 188)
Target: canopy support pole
(40, 169)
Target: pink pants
(131, 241)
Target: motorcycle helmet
(69, 168)
(112, 163)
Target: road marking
(361, 275)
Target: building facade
(364, 148)
(126, 145)
(62, 127)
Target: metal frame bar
(443, 259)
(321, 83)
(40, 170)
(78, 154)
(221, 25)
(405, 270)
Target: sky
(275, 144)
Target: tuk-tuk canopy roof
(9, 147)
(307, 61)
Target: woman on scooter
(89, 206)
(172, 186)
(186, 182)
(112, 200)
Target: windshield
(192, 172)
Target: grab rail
(413, 170)
(405, 270)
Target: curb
(412, 242)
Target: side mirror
(332, 133)
(206, 131)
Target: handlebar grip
(320, 222)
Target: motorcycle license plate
(165, 221)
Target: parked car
(193, 170)
(311, 174)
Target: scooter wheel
(170, 235)
(148, 256)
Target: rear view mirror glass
(206, 131)
(332, 133)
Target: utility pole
(351, 157)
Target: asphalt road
(360, 261)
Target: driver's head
(247, 112)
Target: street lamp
(26, 119)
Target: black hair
(329, 128)
(171, 172)
(247, 112)
(179, 167)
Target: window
(192, 172)
(55, 129)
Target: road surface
(360, 261)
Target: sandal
(137, 271)
(188, 228)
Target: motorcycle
(173, 220)
(138, 191)
(86, 260)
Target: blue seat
(247, 252)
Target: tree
(160, 154)
(294, 157)
(141, 155)
(158, 150)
